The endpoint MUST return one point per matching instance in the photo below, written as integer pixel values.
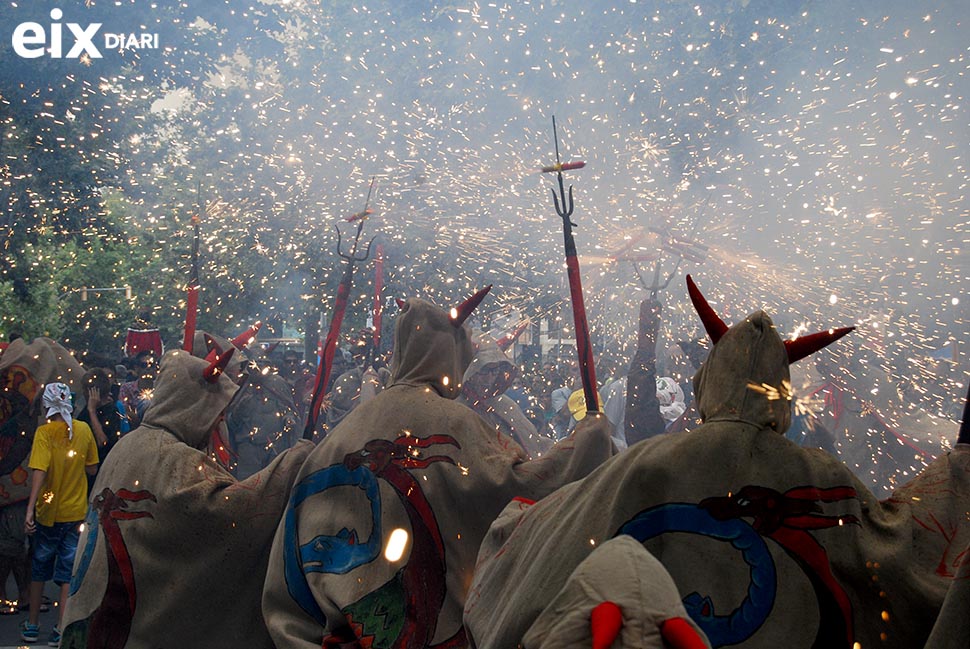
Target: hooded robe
(770, 545)
(174, 548)
(24, 371)
(623, 574)
(495, 407)
(262, 422)
(411, 465)
(352, 388)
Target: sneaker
(29, 632)
(55, 639)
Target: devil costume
(410, 466)
(769, 544)
(24, 371)
(174, 548)
(619, 594)
(487, 378)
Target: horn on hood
(246, 337)
(605, 622)
(214, 349)
(218, 366)
(509, 339)
(713, 324)
(802, 346)
(461, 312)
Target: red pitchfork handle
(191, 314)
(587, 368)
(378, 303)
(329, 347)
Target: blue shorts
(54, 549)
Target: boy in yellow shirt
(63, 451)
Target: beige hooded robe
(770, 545)
(410, 465)
(352, 388)
(174, 548)
(623, 574)
(497, 372)
(24, 371)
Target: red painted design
(423, 578)
(111, 621)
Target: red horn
(401, 304)
(218, 366)
(509, 339)
(712, 323)
(679, 634)
(605, 622)
(802, 346)
(214, 349)
(247, 336)
(461, 312)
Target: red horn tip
(246, 337)
(212, 346)
(713, 324)
(218, 366)
(461, 312)
(803, 346)
(605, 622)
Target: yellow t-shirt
(64, 496)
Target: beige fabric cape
(952, 628)
(414, 460)
(174, 548)
(770, 545)
(352, 388)
(24, 371)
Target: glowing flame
(396, 544)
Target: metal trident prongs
(359, 217)
(680, 247)
(565, 210)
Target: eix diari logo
(30, 40)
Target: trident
(564, 209)
(680, 247)
(325, 355)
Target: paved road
(10, 624)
